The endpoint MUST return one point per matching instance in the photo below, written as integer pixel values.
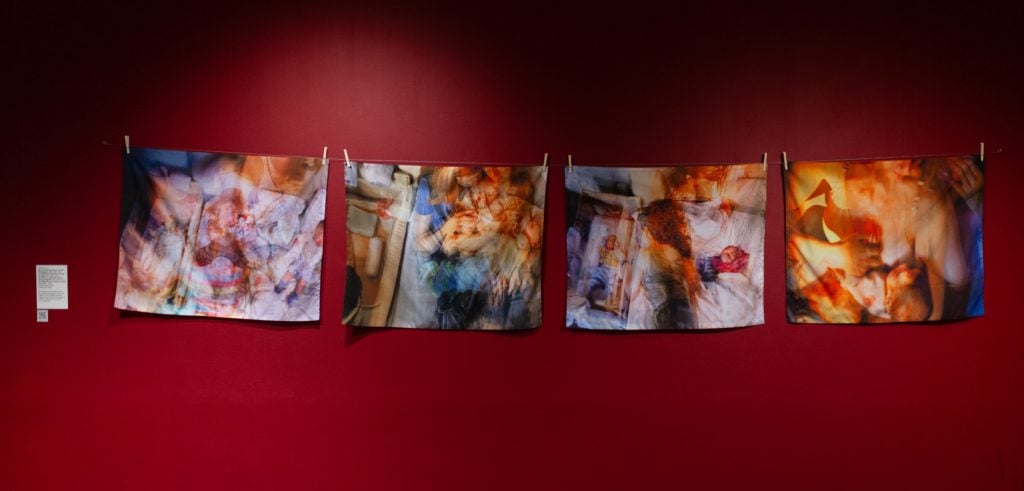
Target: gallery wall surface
(98, 398)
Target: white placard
(51, 286)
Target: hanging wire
(666, 164)
(352, 159)
(663, 164)
(901, 157)
(549, 164)
(134, 146)
(364, 160)
(558, 164)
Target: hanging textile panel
(665, 247)
(444, 247)
(221, 235)
(884, 240)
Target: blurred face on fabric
(699, 184)
(484, 194)
(877, 188)
(225, 210)
(498, 175)
(227, 214)
(904, 299)
(462, 234)
(609, 242)
(467, 176)
(318, 235)
(730, 254)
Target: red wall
(104, 400)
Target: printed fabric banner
(665, 247)
(448, 247)
(221, 235)
(884, 240)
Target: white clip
(764, 162)
(785, 161)
(545, 159)
(325, 156)
(981, 156)
(348, 163)
(127, 147)
(570, 164)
